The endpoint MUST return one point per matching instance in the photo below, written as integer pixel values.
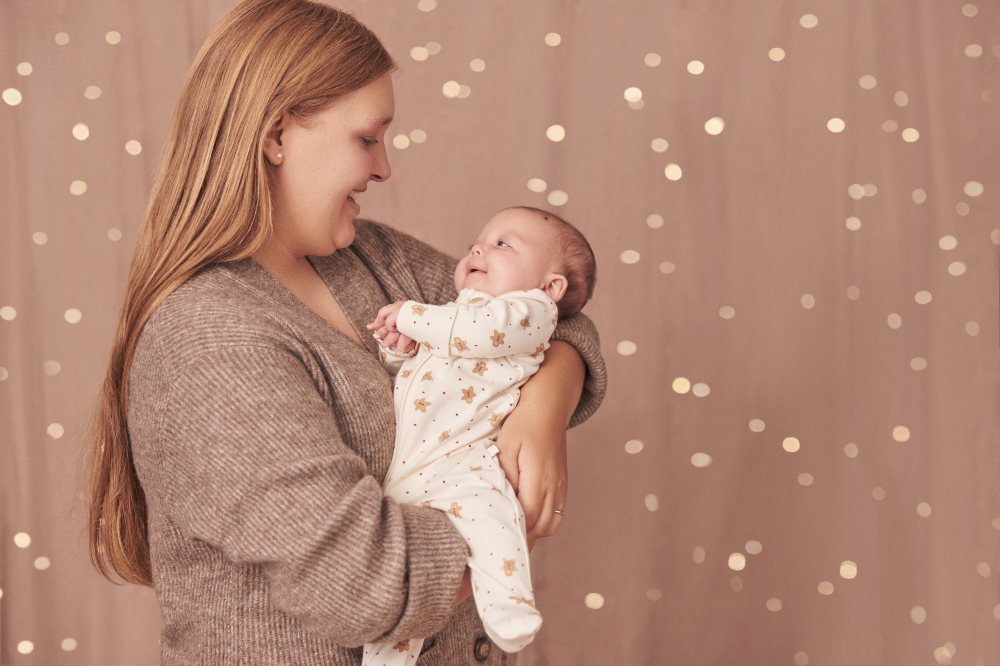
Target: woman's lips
(353, 204)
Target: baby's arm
(517, 323)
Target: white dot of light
(973, 188)
(629, 257)
(537, 185)
(714, 126)
(558, 198)
(12, 96)
(701, 460)
(633, 94)
(809, 21)
(634, 446)
(627, 348)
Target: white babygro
(451, 397)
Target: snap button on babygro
(482, 648)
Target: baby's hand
(385, 331)
(385, 320)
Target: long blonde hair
(211, 203)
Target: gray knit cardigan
(261, 435)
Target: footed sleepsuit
(451, 396)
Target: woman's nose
(381, 170)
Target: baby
(458, 371)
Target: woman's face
(326, 161)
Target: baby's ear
(555, 286)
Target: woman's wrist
(557, 386)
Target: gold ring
(560, 512)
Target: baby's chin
(475, 281)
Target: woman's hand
(532, 440)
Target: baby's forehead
(530, 225)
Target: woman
(245, 425)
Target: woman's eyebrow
(376, 123)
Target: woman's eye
(368, 142)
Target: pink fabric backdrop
(795, 211)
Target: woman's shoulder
(214, 309)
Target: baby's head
(523, 248)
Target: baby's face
(516, 250)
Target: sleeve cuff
(580, 332)
(437, 558)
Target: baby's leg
(470, 487)
(402, 653)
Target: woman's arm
(250, 461)
(532, 440)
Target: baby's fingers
(405, 344)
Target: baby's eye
(501, 243)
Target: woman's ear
(555, 286)
(273, 151)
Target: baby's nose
(475, 250)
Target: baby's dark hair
(578, 263)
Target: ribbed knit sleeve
(433, 273)
(581, 332)
(251, 463)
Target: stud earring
(280, 156)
